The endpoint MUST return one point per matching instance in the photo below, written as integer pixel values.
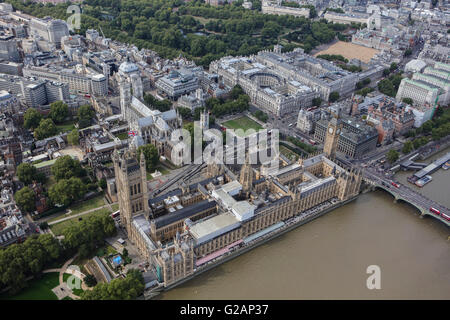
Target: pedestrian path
(79, 214)
(62, 290)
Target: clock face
(338, 130)
(330, 130)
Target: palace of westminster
(178, 231)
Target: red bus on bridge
(395, 184)
(446, 217)
(435, 211)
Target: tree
(102, 183)
(261, 116)
(185, 113)
(408, 52)
(85, 115)
(26, 172)
(58, 111)
(411, 133)
(236, 92)
(87, 234)
(408, 100)
(18, 261)
(420, 142)
(359, 85)
(392, 156)
(118, 289)
(386, 72)
(151, 156)
(334, 96)
(316, 102)
(73, 137)
(427, 126)
(408, 147)
(32, 118)
(270, 30)
(66, 167)
(66, 191)
(385, 86)
(44, 225)
(45, 129)
(25, 199)
(393, 66)
(90, 280)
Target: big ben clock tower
(332, 136)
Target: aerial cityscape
(224, 149)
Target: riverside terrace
(176, 230)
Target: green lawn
(39, 289)
(76, 292)
(243, 123)
(115, 207)
(81, 207)
(293, 156)
(122, 136)
(58, 228)
(65, 126)
(88, 205)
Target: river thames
(328, 257)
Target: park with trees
(197, 30)
(22, 264)
(127, 288)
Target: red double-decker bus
(395, 184)
(446, 217)
(435, 211)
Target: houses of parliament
(187, 228)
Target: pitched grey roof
(184, 213)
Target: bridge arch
(398, 199)
(412, 205)
(377, 187)
(422, 211)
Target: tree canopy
(334, 96)
(73, 137)
(86, 235)
(18, 261)
(25, 199)
(85, 115)
(27, 173)
(392, 156)
(45, 129)
(66, 167)
(66, 191)
(194, 29)
(32, 118)
(58, 111)
(151, 156)
(118, 289)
